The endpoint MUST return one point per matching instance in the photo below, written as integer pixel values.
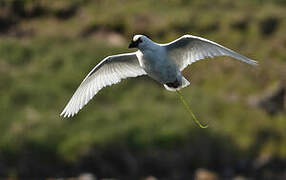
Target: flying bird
(161, 62)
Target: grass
(39, 73)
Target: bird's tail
(185, 83)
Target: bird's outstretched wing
(188, 49)
(109, 71)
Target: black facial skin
(134, 44)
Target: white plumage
(162, 62)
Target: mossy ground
(45, 55)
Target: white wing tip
(66, 114)
(252, 62)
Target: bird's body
(161, 62)
(158, 66)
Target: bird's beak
(133, 44)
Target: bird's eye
(139, 40)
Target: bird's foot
(174, 84)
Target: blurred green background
(136, 128)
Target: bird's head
(139, 41)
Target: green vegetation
(46, 49)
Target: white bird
(161, 62)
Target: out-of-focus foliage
(47, 47)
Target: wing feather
(109, 71)
(189, 49)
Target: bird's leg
(190, 111)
